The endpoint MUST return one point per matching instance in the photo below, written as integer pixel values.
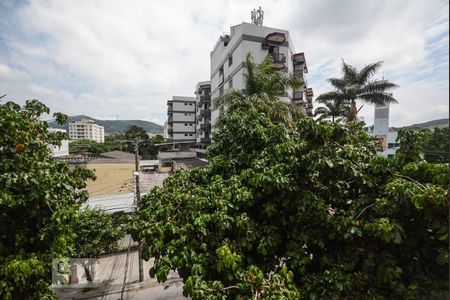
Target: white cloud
(125, 58)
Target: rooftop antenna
(257, 16)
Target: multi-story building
(58, 151)
(86, 130)
(181, 119)
(228, 61)
(203, 122)
(380, 130)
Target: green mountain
(113, 126)
(430, 124)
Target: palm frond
(379, 86)
(331, 96)
(350, 72)
(337, 83)
(368, 71)
(378, 98)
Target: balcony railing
(309, 92)
(278, 57)
(205, 113)
(205, 98)
(297, 96)
(278, 60)
(205, 140)
(206, 127)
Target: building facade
(58, 151)
(181, 122)
(203, 116)
(86, 130)
(228, 62)
(380, 130)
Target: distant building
(380, 130)
(228, 62)
(203, 112)
(181, 119)
(166, 131)
(58, 151)
(86, 130)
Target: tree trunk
(353, 111)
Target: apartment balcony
(276, 38)
(170, 131)
(206, 127)
(205, 98)
(298, 70)
(309, 92)
(310, 105)
(205, 113)
(297, 96)
(205, 140)
(300, 62)
(278, 60)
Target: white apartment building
(228, 61)
(203, 113)
(181, 119)
(86, 130)
(62, 150)
(381, 131)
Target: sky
(124, 59)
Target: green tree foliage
(423, 144)
(262, 84)
(137, 134)
(92, 148)
(359, 85)
(436, 148)
(332, 109)
(152, 148)
(39, 201)
(97, 233)
(298, 208)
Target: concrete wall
(185, 107)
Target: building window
(190, 104)
(185, 134)
(185, 103)
(230, 60)
(190, 134)
(185, 124)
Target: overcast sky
(124, 59)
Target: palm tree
(358, 85)
(332, 109)
(264, 85)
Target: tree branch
(410, 179)
(364, 209)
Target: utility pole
(138, 199)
